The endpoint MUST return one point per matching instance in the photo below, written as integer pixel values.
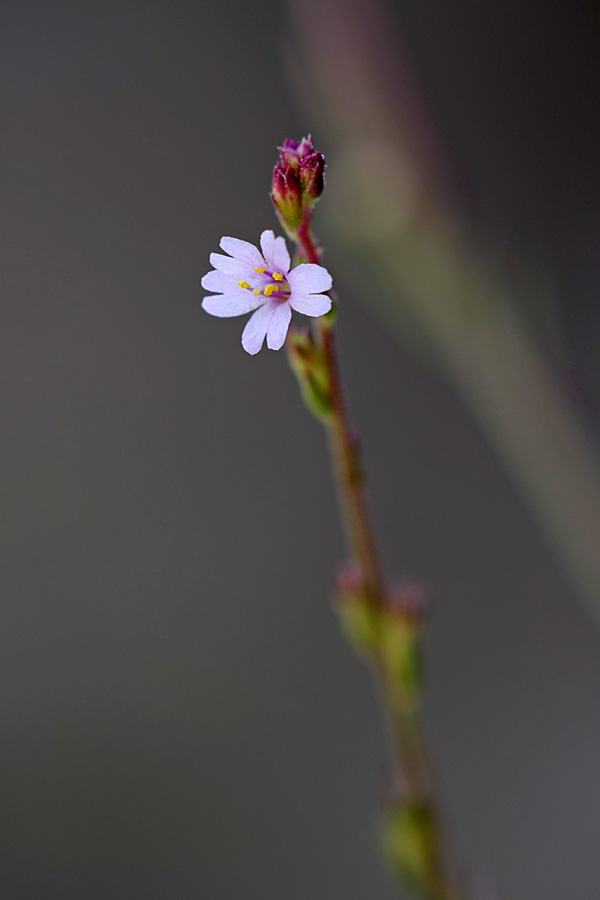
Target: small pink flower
(246, 280)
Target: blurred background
(180, 717)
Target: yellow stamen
(255, 291)
(260, 271)
(244, 284)
(277, 276)
(271, 289)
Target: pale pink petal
(228, 265)
(275, 251)
(242, 251)
(278, 326)
(308, 278)
(219, 282)
(257, 327)
(226, 305)
(311, 304)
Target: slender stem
(346, 456)
(414, 774)
(345, 450)
(418, 787)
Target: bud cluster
(387, 633)
(298, 180)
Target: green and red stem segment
(415, 791)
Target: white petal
(308, 278)
(256, 328)
(242, 251)
(278, 326)
(275, 251)
(226, 305)
(311, 304)
(228, 265)
(219, 282)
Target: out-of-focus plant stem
(397, 212)
(415, 792)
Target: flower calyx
(308, 363)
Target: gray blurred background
(180, 717)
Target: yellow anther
(260, 271)
(255, 291)
(270, 289)
(277, 276)
(244, 284)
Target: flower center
(274, 287)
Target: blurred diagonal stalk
(396, 211)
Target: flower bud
(286, 194)
(358, 617)
(400, 641)
(408, 600)
(293, 151)
(311, 171)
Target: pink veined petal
(242, 251)
(275, 251)
(228, 265)
(308, 278)
(278, 326)
(220, 282)
(226, 305)
(257, 327)
(311, 304)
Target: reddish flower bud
(293, 151)
(311, 171)
(289, 157)
(349, 581)
(305, 147)
(286, 194)
(408, 600)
